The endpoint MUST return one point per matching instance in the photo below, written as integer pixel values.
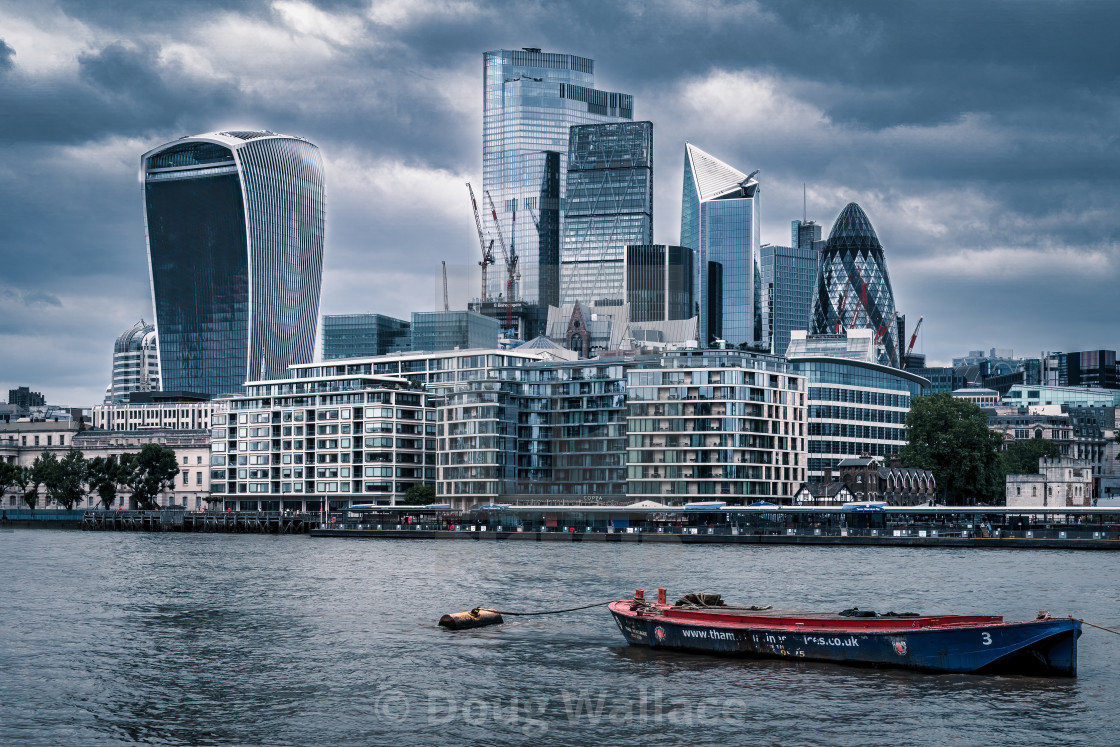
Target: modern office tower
(857, 405)
(608, 204)
(235, 250)
(715, 424)
(659, 281)
(1092, 368)
(448, 330)
(720, 222)
(789, 275)
(853, 289)
(804, 234)
(135, 362)
(358, 335)
(342, 438)
(530, 101)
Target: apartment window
(186, 478)
(49, 440)
(198, 460)
(36, 440)
(62, 440)
(197, 478)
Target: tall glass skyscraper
(720, 222)
(608, 204)
(530, 101)
(235, 252)
(853, 288)
(788, 276)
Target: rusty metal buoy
(479, 617)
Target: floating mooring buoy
(479, 617)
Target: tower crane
(913, 339)
(512, 272)
(487, 251)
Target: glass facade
(789, 275)
(608, 204)
(720, 222)
(235, 246)
(356, 335)
(659, 281)
(531, 99)
(855, 408)
(853, 289)
(448, 330)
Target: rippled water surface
(253, 640)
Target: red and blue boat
(976, 644)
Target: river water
(206, 639)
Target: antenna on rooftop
(804, 204)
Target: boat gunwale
(794, 621)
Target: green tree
(1021, 457)
(45, 472)
(420, 494)
(149, 472)
(70, 478)
(951, 437)
(104, 474)
(8, 473)
(28, 486)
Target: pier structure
(236, 522)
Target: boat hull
(1045, 647)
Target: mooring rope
(545, 612)
(1094, 625)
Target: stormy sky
(980, 138)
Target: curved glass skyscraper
(235, 252)
(853, 288)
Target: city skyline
(943, 147)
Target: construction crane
(913, 339)
(446, 305)
(533, 215)
(510, 259)
(487, 251)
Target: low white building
(22, 442)
(1060, 482)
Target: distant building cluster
(598, 364)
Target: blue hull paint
(1040, 648)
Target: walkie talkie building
(235, 252)
(853, 288)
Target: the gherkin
(853, 288)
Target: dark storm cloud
(978, 136)
(6, 55)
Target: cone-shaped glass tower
(853, 288)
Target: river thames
(206, 639)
